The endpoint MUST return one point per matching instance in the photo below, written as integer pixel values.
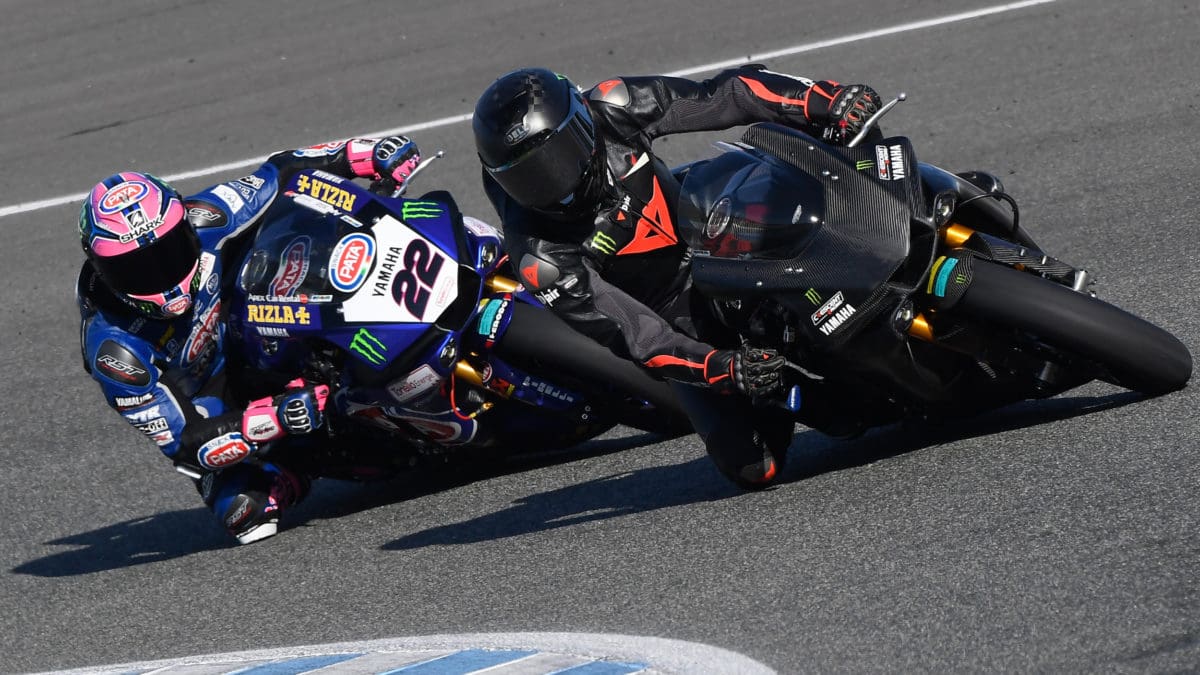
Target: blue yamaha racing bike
(899, 289)
(410, 313)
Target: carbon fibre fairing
(822, 230)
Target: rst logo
(350, 262)
(123, 196)
(119, 368)
(293, 267)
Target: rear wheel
(1136, 354)
(544, 343)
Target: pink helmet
(133, 231)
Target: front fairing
(389, 281)
(820, 229)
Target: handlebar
(874, 119)
(425, 162)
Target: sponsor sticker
(320, 150)
(350, 262)
(416, 383)
(224, 451)
(480, 228)
(833, 314)
(369, 347)
(826, 310)
(230, 196)
(293, 267)
(132, 401)
(491, 318)
(204, 335)
(122, 196)
(325, 191)
(262, 428)
(548, 296)
(411, 280)
(546, 389)
(254, 182)
(207, 215)
(139, 226)
(280, 315)
(119, 369)
(890, 163)
(178, 305)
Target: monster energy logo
(863, 164)
(413, 210)
(813, 296)
(368, 346)
(604, 243)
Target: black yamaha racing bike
(900, 287)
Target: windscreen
(290, 257)
(739, 204)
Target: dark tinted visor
(550, 172)
(154, 268)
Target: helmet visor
(551, 172)
(153, 268)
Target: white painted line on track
(26, 207)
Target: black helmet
(535, 136)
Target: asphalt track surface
(1058, 536)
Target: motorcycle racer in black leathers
(589, 219)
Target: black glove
(757, 373)
(394, 158)
(845, 112)
(613, 230)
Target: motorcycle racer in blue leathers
(152, 296)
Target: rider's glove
(757, 373)
(394, 158)
(613, 229)
(841, 109)
(299, 410)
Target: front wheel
(1136, 354)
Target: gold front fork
(953, 236)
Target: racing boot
(747, 444)
(248, 500)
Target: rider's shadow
(176, 534)
(812, 454)
(163, 536)
(614, 496)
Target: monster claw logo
(604, 243)
(368, 346)
(813, 296)
(414, 210)
(863, 165)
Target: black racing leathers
(618, 274)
